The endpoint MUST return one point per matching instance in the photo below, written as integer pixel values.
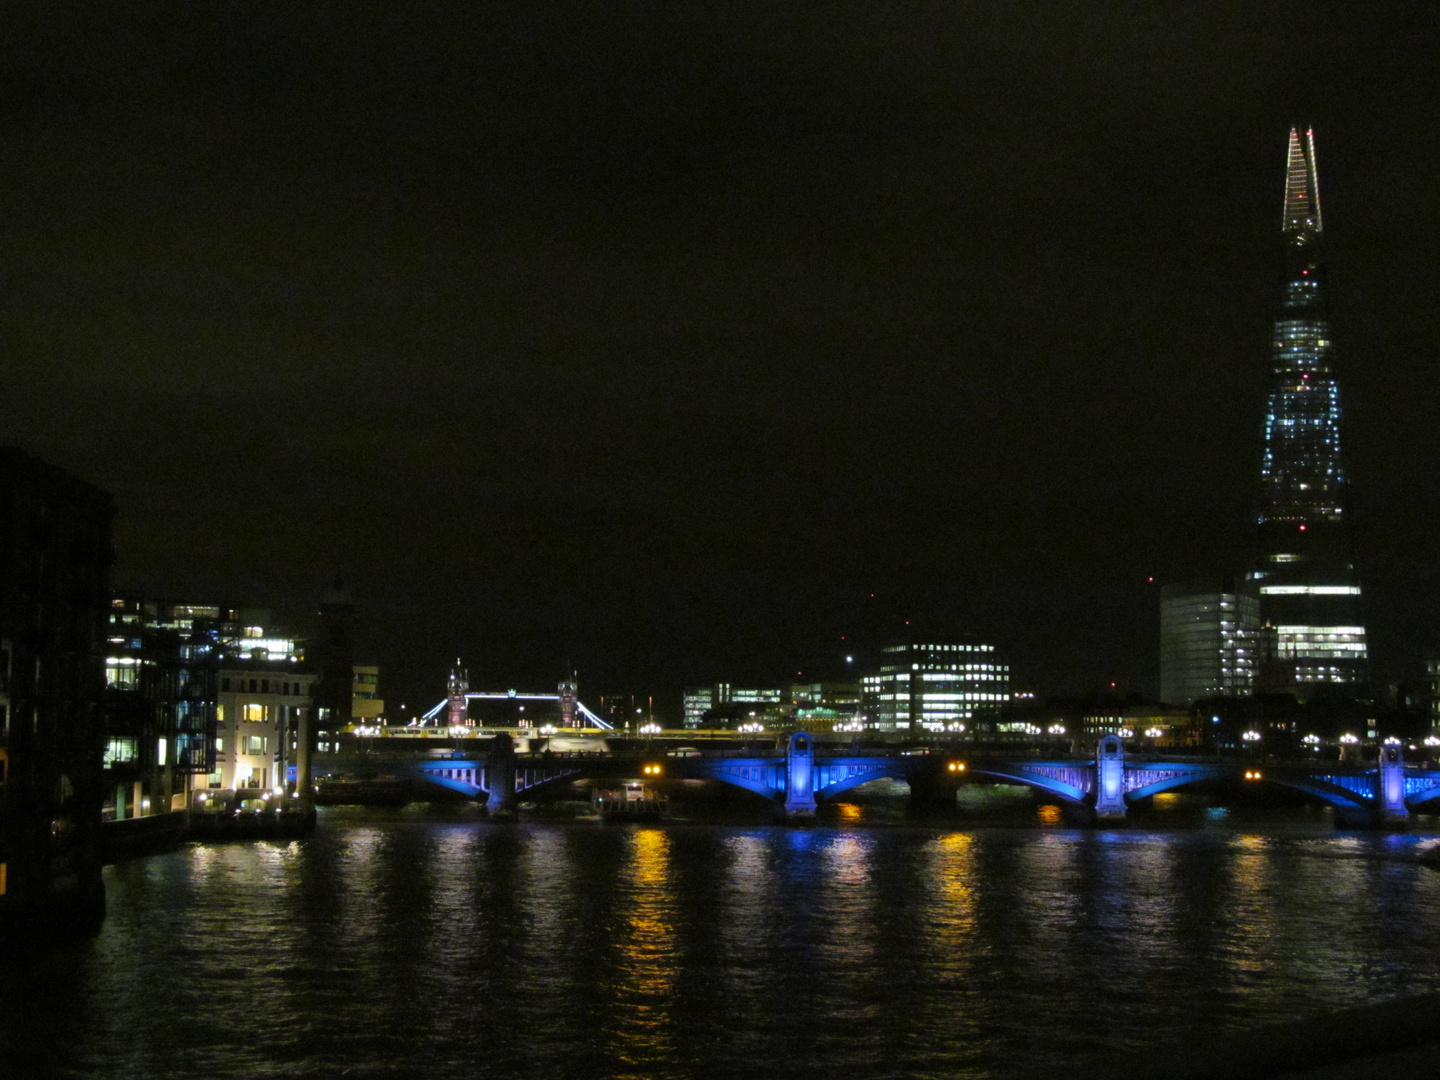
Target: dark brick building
(55, 557)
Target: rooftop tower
(1309, 591)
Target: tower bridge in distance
(802, 775)
(453, 709)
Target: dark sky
(654, 338)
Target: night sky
(653, 339)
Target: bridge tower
(569, 691)
(1110, 778)
(456, 689)
(1391, 781)
(799, 785)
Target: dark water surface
(414, 944)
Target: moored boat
(633, 802)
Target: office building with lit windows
(726, 706)
(1309, 592)
(814, 706)
(260, 710)
(161, 660)
(180, 714)
(1209, 640)
(932, 686)
(1432, 682)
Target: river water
(428, 943)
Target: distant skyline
(651, 341)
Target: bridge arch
(760, 776)
(836, 778)
(1422, 791)
(1343, 792)
(1063, 781)
(1336, 795)
(471, 777)
(1072, 790)
(465, 777)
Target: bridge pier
(500, 778)
(799, 778)
(932, 789)
(1390, 780)
(1110, 779)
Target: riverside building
(725, 705)
(933, 686)
(261, 712)
(55, 558)
(814, 706)
(199, 696)
(161, 660)
(1209, 640)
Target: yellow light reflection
(849, 813)
(1050, 814)
(950, 926)
(848, 903)
(1254, 928)
(954, 869)
(643, 1041)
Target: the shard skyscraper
(1310, 603)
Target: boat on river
(632, 802)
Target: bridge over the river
(801, 776)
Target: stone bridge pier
(1110, 779)
(932, 786)
(1391, 781)
(799, 803)
(500, 799)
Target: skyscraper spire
(1309, 591)
(1302, 190)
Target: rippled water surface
(396, 944)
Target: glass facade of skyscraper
(1309, 592)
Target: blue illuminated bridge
(803, 775)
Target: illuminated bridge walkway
(802, 776)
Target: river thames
(428, 943)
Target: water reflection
(642, 1041)
(1251, 914)
(847, 905)
(401, 947)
